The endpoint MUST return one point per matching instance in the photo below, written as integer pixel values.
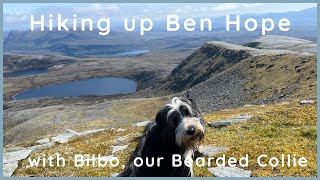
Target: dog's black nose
(191, 131)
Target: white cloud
(97, 9)
(188, 7)
(179, 11)
(232, 6)
(203, 9)
(15, 19)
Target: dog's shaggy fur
(177, 129)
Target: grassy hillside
(281, 76)
(235, 75)
(276, 129)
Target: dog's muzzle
(189, 132)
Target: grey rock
(121, 140)
(42, 146)
(227, 122)
(211, 150)
(11, 158)
(285, 43)
(120, 130)
(118, 148)
(16, 155)
(141, 124)
(229, 172)
(9, 168)
(306, 102)
(114, 174)
(43, 141)
(91, 131)
(65, 137)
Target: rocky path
(11, 157)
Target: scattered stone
(11, 158)
(114, 174)
(121, 140)
(65, 137)
(229, 172)
(43, 141)
(9, 168)
(227, 122)
(91, 131)
(141, 124)
(120, 130)
(118, 148)
(284, 103)
(42, 146)
(211, 150)
(306, 102)
(69, 131)
(16, 155)
(247, 105)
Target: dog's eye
(186, 112)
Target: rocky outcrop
(11, 157)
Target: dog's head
(183, 117)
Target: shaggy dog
(177, 129)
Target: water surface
(26, 72)
(96, 86)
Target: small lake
(26, 72)
(96, 86)
(131, 52)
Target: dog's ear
(161, 116)
(187, 95)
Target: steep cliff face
(211, 59)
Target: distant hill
(91, 44)
(220, 74)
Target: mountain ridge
(235, 75)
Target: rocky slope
(283, 42)
(224, 75)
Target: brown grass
(282, 128)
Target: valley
(218, 76)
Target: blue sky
(17, 15)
